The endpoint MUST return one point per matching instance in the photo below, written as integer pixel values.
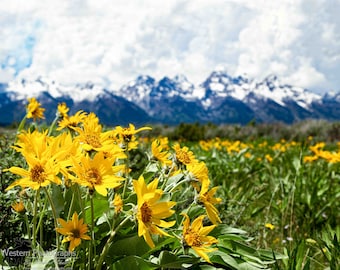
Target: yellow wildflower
(19, 207)
(97, 173)
(91, 138)
(74, 230)
(209, 200)
(184, 155)
(269, 226)
(196, 236)
(159, 154)
(118, 203)
(126, 138)
(268, 158)
(34, 109)
(200, 173)
(72, 122)
(62, 110)
(151, 211)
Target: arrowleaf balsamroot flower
(19, 207)
(40, 174)
(34, 109)
(73, 121)
(62, 110)
(126, 138)
(184, 155)
(199, 172)
(97, 173)
(74, 230)
(118, 203)
(151, 212)
(208, 199)
(196, 236)
(159, 154)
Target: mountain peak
(221, 98)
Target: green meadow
(186, 197)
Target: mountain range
(220, 99)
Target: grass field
(154, 203)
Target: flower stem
(108, 242)
(127, 173)
(92, 244)
(22, 124)
(34, 221)
(54, 212)
(52, 125)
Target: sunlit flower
(39, 174)
(72, 122)
(268, 158)
(32, 143)
(34, 109)
(118, 203)
(269, 226)
(91, 138)
(209, 201)
(62, 110)
(159, 154)
(199, 172)
(196, 236)
(41, 160)
(184, 155)
(97, 173)
(19, 207)
(126, 138)
(310, 158)
(247, 155)
(74, 230)
(151, 211)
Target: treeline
(320, 130)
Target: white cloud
(112, 42)
(6, 75)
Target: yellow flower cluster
(320, 153)
(80, 153)
(263, 150)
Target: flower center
(38, 174)
(93, 176)
(146, 213)
(183, 157)
(192, 238)
(93, 140)
(127, 136)
(75, 233)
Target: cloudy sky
(110, 42)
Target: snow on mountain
(272, 88)
(22, 89)
(221, 85)
(220, 98)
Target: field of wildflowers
(78, 195)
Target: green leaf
(269, 254)
(58, 198)
(133, 245)
(169, 260)
(100, 206)
(133, 262)
(223, 258)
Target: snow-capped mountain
(221, 98)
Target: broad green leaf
(58, 198)
(133, 245)
(169, 260)
(133, 262)
(100, 206)
(223, 258)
